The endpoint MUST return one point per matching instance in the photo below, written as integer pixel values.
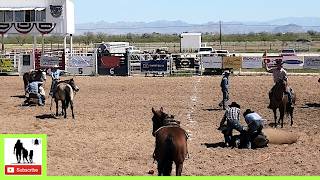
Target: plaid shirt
(231, 115)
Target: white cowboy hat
(226, 72)
(56, 66)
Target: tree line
(89, 37)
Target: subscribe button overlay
(24, 156)
(23, 170)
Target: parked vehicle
(288, 52)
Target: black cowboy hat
(234, 104)
(248, 111)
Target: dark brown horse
(64, 92)
(171, 143)
(280, 101)
(33, 75)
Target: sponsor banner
(49, 61)
(185, 63)
(154, 66)
(212, 62)
(231, 62)
(81, 61)
(271, 60)
(251, 62)
(110, 61)
(113, 65)
(23, 155)
(6, 65)
(292, 62)
(312, 62)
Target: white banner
(251, 62)
(292, 62)
(81, 61)
(48, 61)
(212, 62)
(312, 62)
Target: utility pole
(220, 34)
(2, 43)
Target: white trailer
(190, 42)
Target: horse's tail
(69, 95)
(168, 156)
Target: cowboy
(255, 126)
(279, 74)
(225, 89)
(55, 75)
(33, 88)
(232, 119)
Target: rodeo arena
(117, 111)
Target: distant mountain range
(283, 25)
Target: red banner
(110, 61)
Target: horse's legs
(179, 167)
(281, 116)
(57, 106)
(64, 109)
(275, 117)
(167, 167)
(160, 168)
(291, 115)
(71, 106)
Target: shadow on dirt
(311, 105)
(19, 96)
(46, 116)
(212, 109)
(214, 145)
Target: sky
(192, 11)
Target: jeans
(225, 99)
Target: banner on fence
(312, 62)
(81, 61)
(271, 60)
(154, 66)
(231, 62)
(49, 61)
(185, 63)
(212, 62)
(292, 62)
(251, 62)
(6, 65)
(113, 65)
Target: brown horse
(280, 101)
(171, 143)
(33, 75)
(64, 92)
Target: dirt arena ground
(111, 134)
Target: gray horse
(64, 92)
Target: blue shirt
(34, 87)
(56, 74)
(254, 121)
(224, 83)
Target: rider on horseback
(55, 75)
(279, 74)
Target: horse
(280, 101)
(171, 143)
(33, 75)
(64, 92)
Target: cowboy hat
(248, 111)
(234, 104)
(226, 72)
(56, 66)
